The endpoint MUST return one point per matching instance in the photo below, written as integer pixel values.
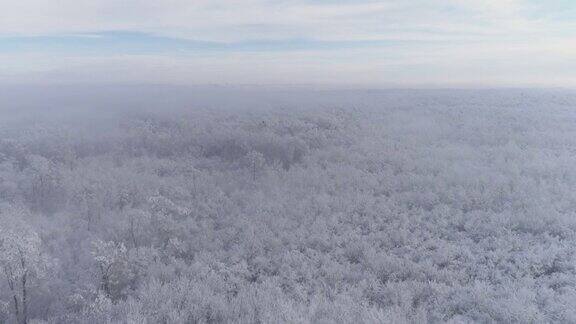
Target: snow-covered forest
(174, 205)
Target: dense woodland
(289, 207)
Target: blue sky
(346, 42)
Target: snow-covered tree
(392, 207)
(22, 260)
(113, 267)
(255, 162)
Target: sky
(387, 43)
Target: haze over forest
(179, 205)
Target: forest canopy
(173, 205)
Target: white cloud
(473, 40)
(249, 19)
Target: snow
(300, 206)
